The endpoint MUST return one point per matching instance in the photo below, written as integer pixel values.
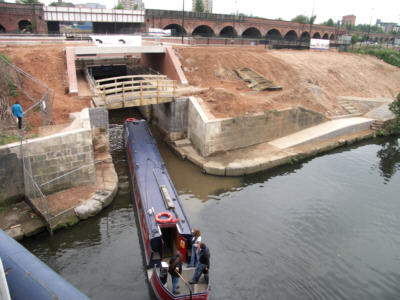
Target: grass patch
(6, 58)
(7, 139)
(387, 55)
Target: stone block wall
(50, 157)
(172, 118)
(211, 136)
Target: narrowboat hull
(155, 197)
(29, 278)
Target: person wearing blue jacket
(17, 112)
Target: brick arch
(24, 23)
(291, 35)
(203, 30)
(2, 29)
(176, 29)
(316, 35)
(252, 32)
(332, 37)
(228, 31)
(325, 36)
(274, 34)
(305, 35)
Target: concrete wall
(210, 136)
(166, 63)
(172, 118)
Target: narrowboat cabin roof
(157, 192)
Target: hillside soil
(312, 79)
(47, 64)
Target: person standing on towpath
(17, 112)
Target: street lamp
(183, 17)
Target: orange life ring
(130, 120)
(164, 214)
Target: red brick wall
(11, 14)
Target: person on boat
(204, 264)
(175, 268)
(196, 240)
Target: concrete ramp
(323, 131)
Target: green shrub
(387, 55)
(12, 88)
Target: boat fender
(163, 214)
(130, 120)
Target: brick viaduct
(204, 24)
(30, 17)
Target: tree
(329, 23)
(301, 19)
(304, 19)
(53, 4)
(119, 6)
(355, 38)
(199, 6)
(29, 1)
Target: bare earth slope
(46, 63)
(312, 79)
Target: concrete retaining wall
(172, 118)
(166, 63)
(211, 136)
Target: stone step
(182, 143)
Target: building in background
(388, 27)
(206, 3)
(349, 20)
(131, 4)
(90, 5)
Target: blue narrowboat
(164, 226)
(28, 278)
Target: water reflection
(389, 157)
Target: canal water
(326, 228)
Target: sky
(366, 11)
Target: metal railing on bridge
(133, 90)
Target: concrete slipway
(305, 143)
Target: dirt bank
(46, 63)
(312, 79)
